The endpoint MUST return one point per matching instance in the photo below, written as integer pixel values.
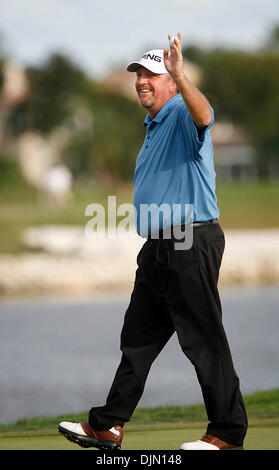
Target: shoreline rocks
(65, 262)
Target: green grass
(242, 206)
(248, 206)
(258, 438)
(152, 428)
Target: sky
(101, 35)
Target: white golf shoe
(85, 436)
(209, 442)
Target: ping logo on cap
(152, 57)
(152, 60)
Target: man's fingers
(166, 59)
(176, 48)
(178, 41)
(179, 35)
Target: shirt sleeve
(190, 130)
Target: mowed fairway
(163, 438)
(159, 428)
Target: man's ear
(173, 85)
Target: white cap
(152, 60)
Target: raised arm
(195, 101)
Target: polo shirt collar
(163, 112)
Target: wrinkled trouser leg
(147, 328)
(194, 305)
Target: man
(175, 289)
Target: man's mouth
(145, 90)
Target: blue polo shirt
(174, 175)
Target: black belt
(194, 224)
(207, 222)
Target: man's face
(154, 90)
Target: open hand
(174, 60)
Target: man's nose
(141, 80)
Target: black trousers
(176, 291)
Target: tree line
(106, 127)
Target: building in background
(15, 90)
(234, 156)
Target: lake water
(60, 356)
